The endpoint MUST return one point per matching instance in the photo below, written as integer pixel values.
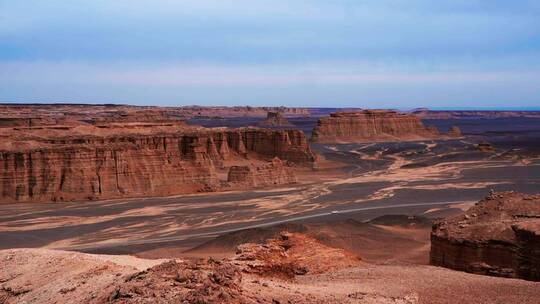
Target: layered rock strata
(499, 236)
(51, 165)
(374, 125)
(273, 173)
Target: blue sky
(351, 53)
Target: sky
(317, 53)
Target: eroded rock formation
(485, 146)
(499, 236)
(97, 163)
(275, 119)
(207, 281)
(73, 277)
(372, 125)
(292, 254)
(273, 173)
(455, 131)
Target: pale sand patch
(456, 186)
(464, 206)
(68, 221)
(332, 148)
(441, 171)
(130, 261)
(432, 210)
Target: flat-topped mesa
(499, 236)
(275, 119)
(272, 173)
(373, 125)
(65, 165)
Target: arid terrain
(124, 204)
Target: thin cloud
(469, 50)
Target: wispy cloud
(397, 51)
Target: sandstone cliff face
(371, 125)
(273, 173)
(98, 167)
(500, 236)
(288, 145)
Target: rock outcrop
(484, 146)
(261, 273)
(73, 277)
(499, 236)
(273, 173)
(292, 254)
(93, 163)
(207, 281)
(275, 119)
(373, 125)
(455, 131)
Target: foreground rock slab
(499, 236)
(48, 276)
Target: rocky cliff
(499, 236)
(272, 173)
(91, 163)
(373, 125)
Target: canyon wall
(82, 167)
(500, 236)
(273, 173)
(373, 125)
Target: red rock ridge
(499, 236)
(84, 167)
(373, 125)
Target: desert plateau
(124, 204)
